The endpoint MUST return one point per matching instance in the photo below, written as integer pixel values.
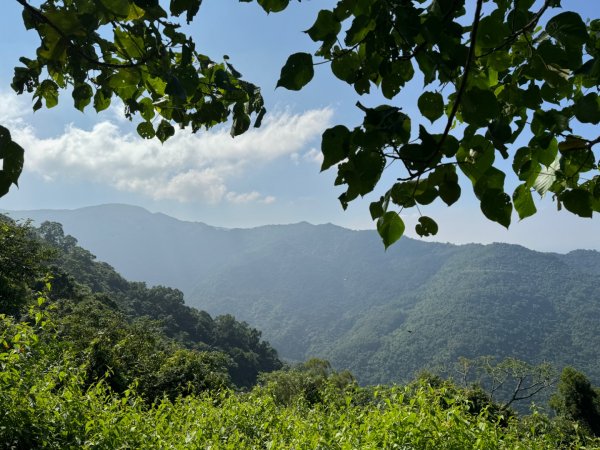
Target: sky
(270, 175)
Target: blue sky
(269, 175)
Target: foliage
(122, 332)
(51, 406)
(312, 381)
(134, 51)
(508, 381)
(506, 80)
(79, 372)
(11, 155)
(577, 400)
(21, 265)
(247, 354)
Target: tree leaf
(146, 130)
(523, 201)
(297, 72)
(568, 28)
(578, 201)
(117, 7)
(11, 155)
(273, 5)
(449, 192)
(164, 130)
(587, 109)
(479, 106)
(376, 209)
(496, 206)
(390, 227)
(326, 26)
(431, 105)
(547, 177)
(426, 226)
(82, 95)
(334, 146)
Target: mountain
(325, 291)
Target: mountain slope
(330, 292)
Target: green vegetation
(47, 402)
(90, 360)
(331, 293)
(125, 332)
(509, 79)
(496, 77)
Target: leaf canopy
(504, 83)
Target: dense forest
(328, 292)
(90, 360)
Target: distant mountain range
(325, 291)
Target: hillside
(334, 293)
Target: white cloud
(188, 167)
(313, 156)
(12, 108)
(248, 197)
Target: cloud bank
(187, 168)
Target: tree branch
(513, 37)
(463, 82)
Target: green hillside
(91, 360)
(324, 291)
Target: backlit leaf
(390, 227)
(297, 72)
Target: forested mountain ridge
(124, 330)
(334, 293)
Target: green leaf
(164, 130)
(496, 206)
(568, 28)
(346, 67)
(403, 193)
(427, 196)
(431, 105)
(390, 227)
(146, 130)
(297, 72)
(326, 26)
(523, 201)
(241, 123)
(48, 89)
(117, 7)
(191, 6)
(175, 90)
(449, 192)
(273, 5)
(479, 106)
(475, 157)
(146, 108)
(492, 31)
(578, 201)
(376, 209)
(426, 227)
(101, 100)
(82, 95)
(361, 26)
(334, 146)
(492, 179)
(11, 155)
(587, 109)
